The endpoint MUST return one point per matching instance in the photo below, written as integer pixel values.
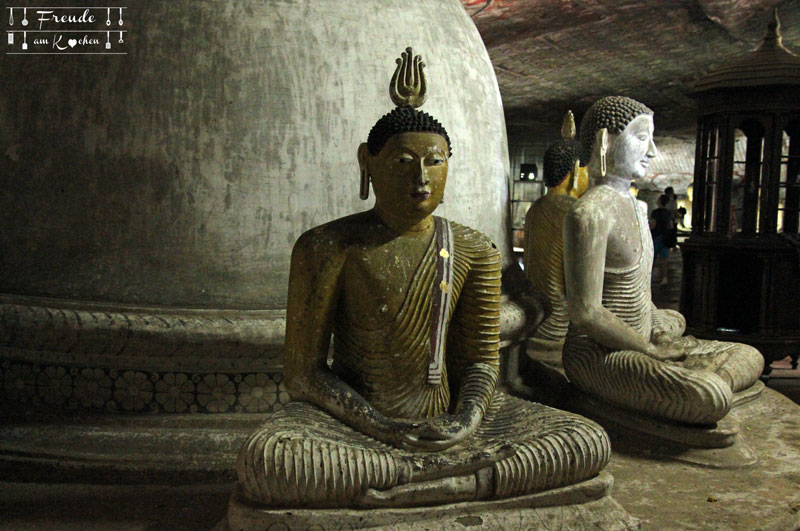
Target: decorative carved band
(115, 336)
(74, 388)
(82, 355)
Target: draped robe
(544, 262)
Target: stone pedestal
(123, 449)
(587, 505)
(721, 445)
(663, 494)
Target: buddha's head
(619, 130)
(561, 173)
(407, 151)
(406, 157)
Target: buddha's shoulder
(592, 207)
(471, 241)
(553, 203)
(336, 235)
(598, 193)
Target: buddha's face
(409, 174)
(633, 148)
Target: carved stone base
(78, 356)
(745, 396)
(717, 446)
(586, 505)
(121, 393)
(720, 435)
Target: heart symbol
(72, 43)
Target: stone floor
(663, 495)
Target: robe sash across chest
(441, 300)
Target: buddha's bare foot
(435, 492)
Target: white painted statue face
(633, 148)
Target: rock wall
(182, 173)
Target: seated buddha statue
(544, 222)
(406, 412)
(620, 348)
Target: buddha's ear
(601, 148)
(575, 177)
(363, 156)
(601, 140)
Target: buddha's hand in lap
(438, 433)
(661, 338)
(667, 348)
(403, 433)
(537, 307)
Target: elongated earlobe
(363, 191)
(601, 139)
(576, 176)
(363, 156)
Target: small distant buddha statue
(620, 348)
(544, 222)
(406, 413)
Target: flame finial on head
(407, 87)
(568, 130)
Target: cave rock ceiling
(554, 55)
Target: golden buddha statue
(544, 260)
(406, 413)
(620, 348)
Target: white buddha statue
(620, 348)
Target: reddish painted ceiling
(554, 55)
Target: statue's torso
(629, 257)
(378, 274)
(544, 259)
(383, 316)
(629, 233)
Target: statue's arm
(586, 232)
(476, 336)
(314, 287)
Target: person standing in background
(672, 205)
(662, 224)
(672, 200)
